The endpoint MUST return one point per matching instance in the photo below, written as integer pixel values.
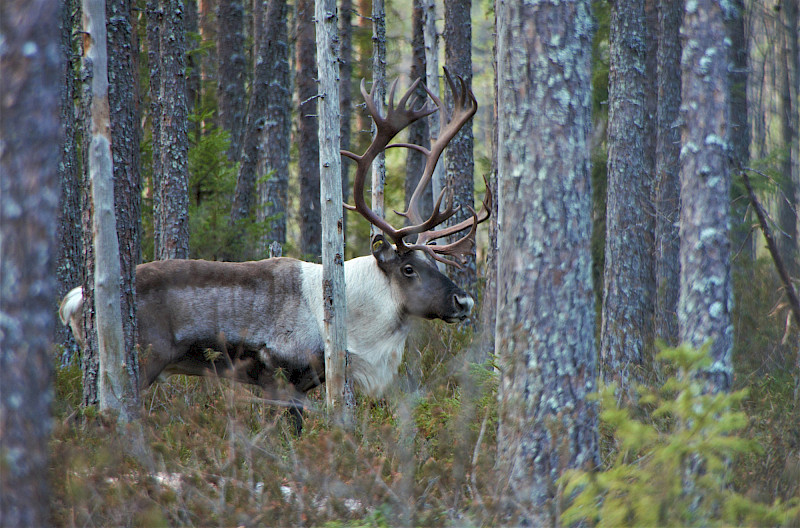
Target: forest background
(207, 452)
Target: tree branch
(794, 302)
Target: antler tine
(457, 248)
(482, 216)
(448, 129)
(396, 119)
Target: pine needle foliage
(670, 429)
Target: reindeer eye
(408, 271)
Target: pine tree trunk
(545, 313)
(265, 140)
(628, 294)
(792, 14)
(90, 363)
(32, 75)
(116, 391)
(232, 68)
(788, 182)
(432, 79)
(209, 62)
(742, 242)
(308, 140)
(123, 97)
(488, 306)
(169, 117)
(345, 89)
(69, 261)
(706, 296)
(667, 192)
(379, 87)
(418, 132)
(274, 155)
(333, 286)
(193, 67)
(459, 162)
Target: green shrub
(653, 478)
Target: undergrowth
(208, 453)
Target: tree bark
(545, 313)
(68, 270)
(117, 393)
(667, 192)
(32, 72)
(418, 132)
(265, 143)
(123, 98)
(432, 79)
(741, 234)
(488, 307)
(379, 87)
(628, 295)
(170, 157)
(307, 130)
(209, 62)
(706, 296)
(90, 361)
(273, 160)
(788, 183)
(333, 286)
(345, 90)
(459, 161)
(193, 67)
(232, 68)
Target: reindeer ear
(381, 249)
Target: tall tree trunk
(30, 65)
(170, 157)
(627, 319)
(90, 362)
(274, 156)
(741, 233)
(69, 260)
(488, 308)
(379, 87)
(123, 98)
(209, 62)
(193, 66)
(308, 140)
(432, 79)
(792, 14)
(333, 294)
(706, 296)
(667, 192)
(546, 354)
(788, 183)
(345, 90)
(117, 392)
(232, 68)
(418, 132)
(265, 142)
(459, 161)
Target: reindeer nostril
(463, 302)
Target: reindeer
(264, 319)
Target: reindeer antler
(398, 118)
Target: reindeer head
(426, 292)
